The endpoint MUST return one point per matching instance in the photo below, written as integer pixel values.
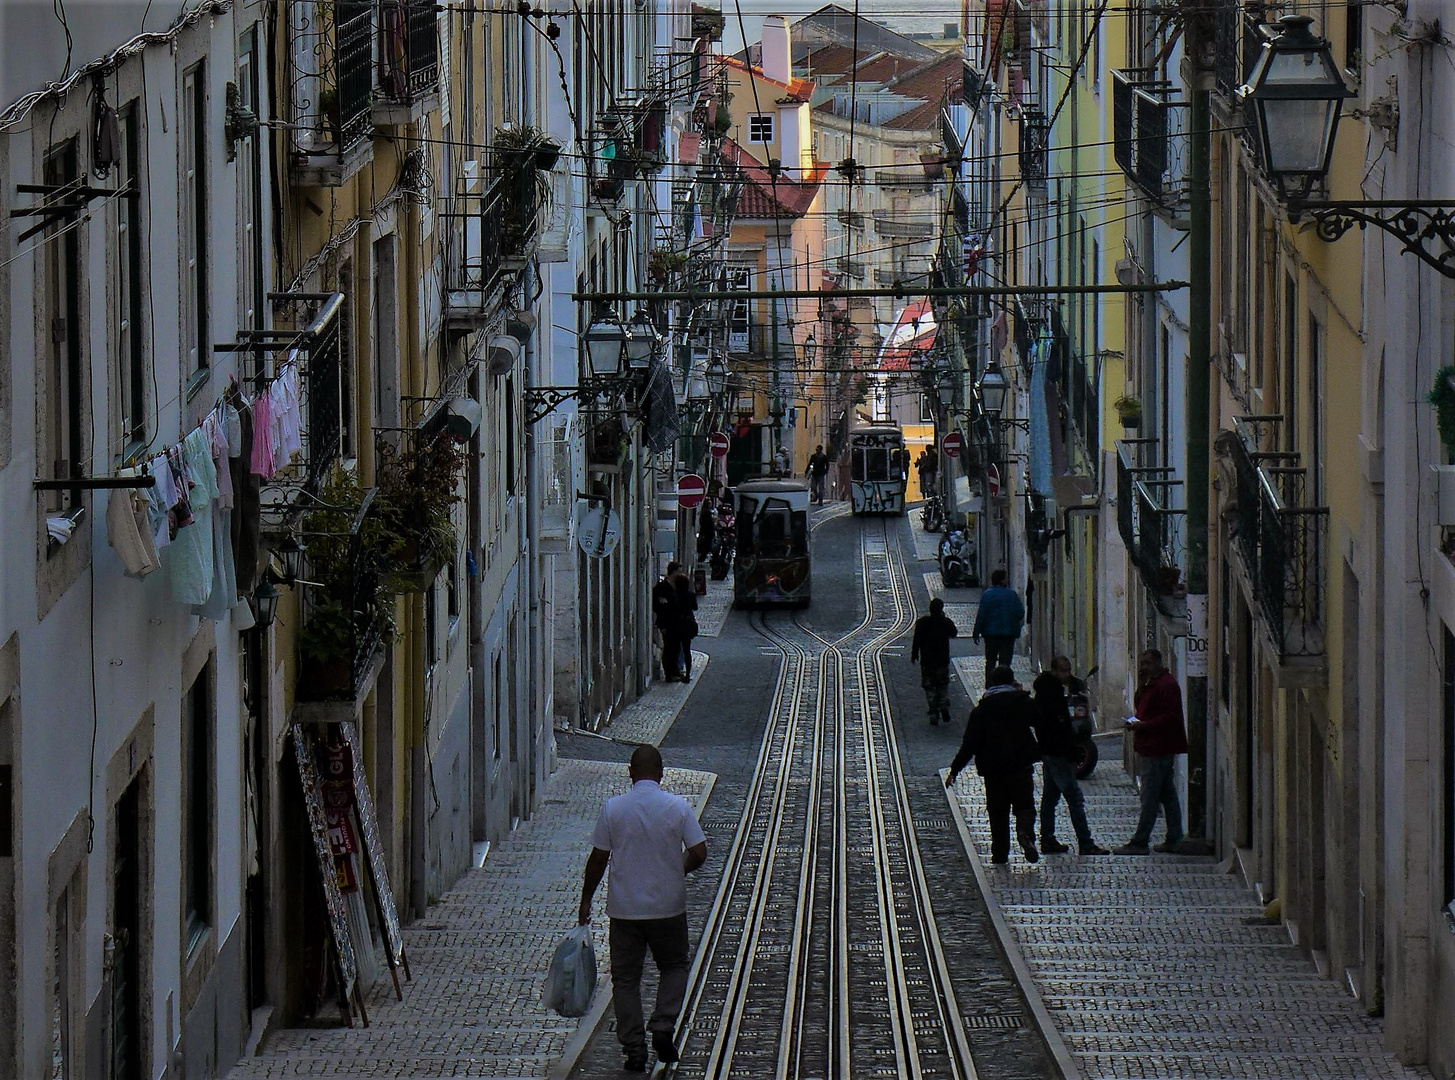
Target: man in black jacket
(931, 650)
(1000, 736)
(1058, 775)
(665, 615)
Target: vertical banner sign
(1197, 636)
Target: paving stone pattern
(651, 716)
(1150, 966)
(480, 956)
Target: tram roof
(876, 429)
(755, 486)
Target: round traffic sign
(690, 491)
(992, 481)
(954, 442)
(719, 442)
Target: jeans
(1058, 780)
(815, 487)
(630, 940)
(1158, 777)
(1010, 792)
(936, 683)
(998, 650)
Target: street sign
(719, 441)
(992, 481)
(599, 532)
(953, 443)
(690, 491)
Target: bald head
(646, 763)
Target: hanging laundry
(59, 528)
(246, 511)
(216, 427)
(191, 553)
(290, 417)
(262, 456)
(128, 530)
(180, 512)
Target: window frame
(64, 314)
(762, 122)
(192, 158)
(199, 757)
(133, 353)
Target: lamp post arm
(1416, 225)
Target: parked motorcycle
(1084, 754)
(932, 514)
(724, 542)
(958, 560)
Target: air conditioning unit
(1444, 495)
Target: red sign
(690, 491)
(992, 481)
(953, 443)
(719, 442)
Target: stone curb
(1066, 1066)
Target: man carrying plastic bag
(571, 978)
(651, 840)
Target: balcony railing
(1034, 148)
(1151, 521)
(1280, 540)
(909, 278)
(890, 223)
(854, 219)
(1149, 138)
(906, 177)
(853, 268)
(331, 79)
(474, 229)
(409, 66)
(1236, 42)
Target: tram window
(858, 463)
(773, 535)
(876, 463)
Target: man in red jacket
(1159, 735)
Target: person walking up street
(1058, 775)
(930, 648)
(999, 621)
(928, 464)
(1000, 737)
(651, 840)
(686, 621)
(664, 614)
(818, 468)
(1159, 734)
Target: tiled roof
(762, 197)
(796, 88)
(913, 336)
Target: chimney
(777, 60)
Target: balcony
(1279, 539)
(909, 279)
(854, 219)
(1236, 43)
(490, 228)
(1035, 147)
(889, 223)
(330, 88)
(1149, 137)
(409, 65)
(1151, 522)
(913, 177)
(853, 268)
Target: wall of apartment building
(161, 681)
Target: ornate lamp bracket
(1425, 229)
(541, 401)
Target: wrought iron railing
(1236, 42)
(330, 74)
(1034, 147)
(1161, 542)
(409, 65)
(916, 227)
(474, 228)
(322, 390)
(1149, 138)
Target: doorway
(126, 933)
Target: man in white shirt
(651, 840)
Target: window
(1289, 403)
(63, 1018)
(347, 447)
(760, 128)
(64, 404)
(497, 699)
(431, 628)
(131, 355)
(1316, 411)
(1448, 681)
(739, 278)
(926, 409)
(510, 465)
(193, 119)
(249, 193)
(1353, 35)
(386, 332)
(197, 809)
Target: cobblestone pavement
(478, 959)
(1161, 966)
(650, 717)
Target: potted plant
(416, 499)
(664, 263)
(327, 647)
(1129, 411)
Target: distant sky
(902, 15)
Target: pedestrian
(782, 463)
(1058, 775)
(706, 532)
(928, 464)
(818, 468)
(1000, 737)
(930, 648)
(664, 614)
(1158, 736)
(651, 840)
(999, 620)
(686, 621)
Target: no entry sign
(953, 444)
(719, 442)
(992, 481)
(690, 491)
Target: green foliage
(416, 499)
(1442, 396)
(1129, 410)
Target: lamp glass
(716, 377)
(641, 342)
(265, 599)
(605, 342)
(291, 552)
(1296, 134)
(992, 392)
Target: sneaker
(1169, 847)
(1030, 852)
(1132, 849)
(665, 1048)
(1053, 846)
(1093, 849)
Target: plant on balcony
(526, 156)
(417, 495)
(1442, 396)
(663, 264)
(1129, 411)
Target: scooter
(932, 514)
(1084, 754)
(957, 560)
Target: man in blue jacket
(999, 620)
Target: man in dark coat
(664, 614)
(1058, 775)
(1159, 734)
(931, 650)
(1000, 737)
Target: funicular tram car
(878, 469)
(772, 563)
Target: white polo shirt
(646, 830)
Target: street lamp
(946, 387)
(1297, 93)
(265, 599)
(810, 351)
(605, 344)
(992, 388)
(642, 341)
(716, 377)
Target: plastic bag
(571, 978)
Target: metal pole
(700, 296)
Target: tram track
(821, 956)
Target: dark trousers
(671, 653)
(1006, 793)
(998, 650)
(1158, 780)
(630, 940)
(936, 682)
(1058, 781)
